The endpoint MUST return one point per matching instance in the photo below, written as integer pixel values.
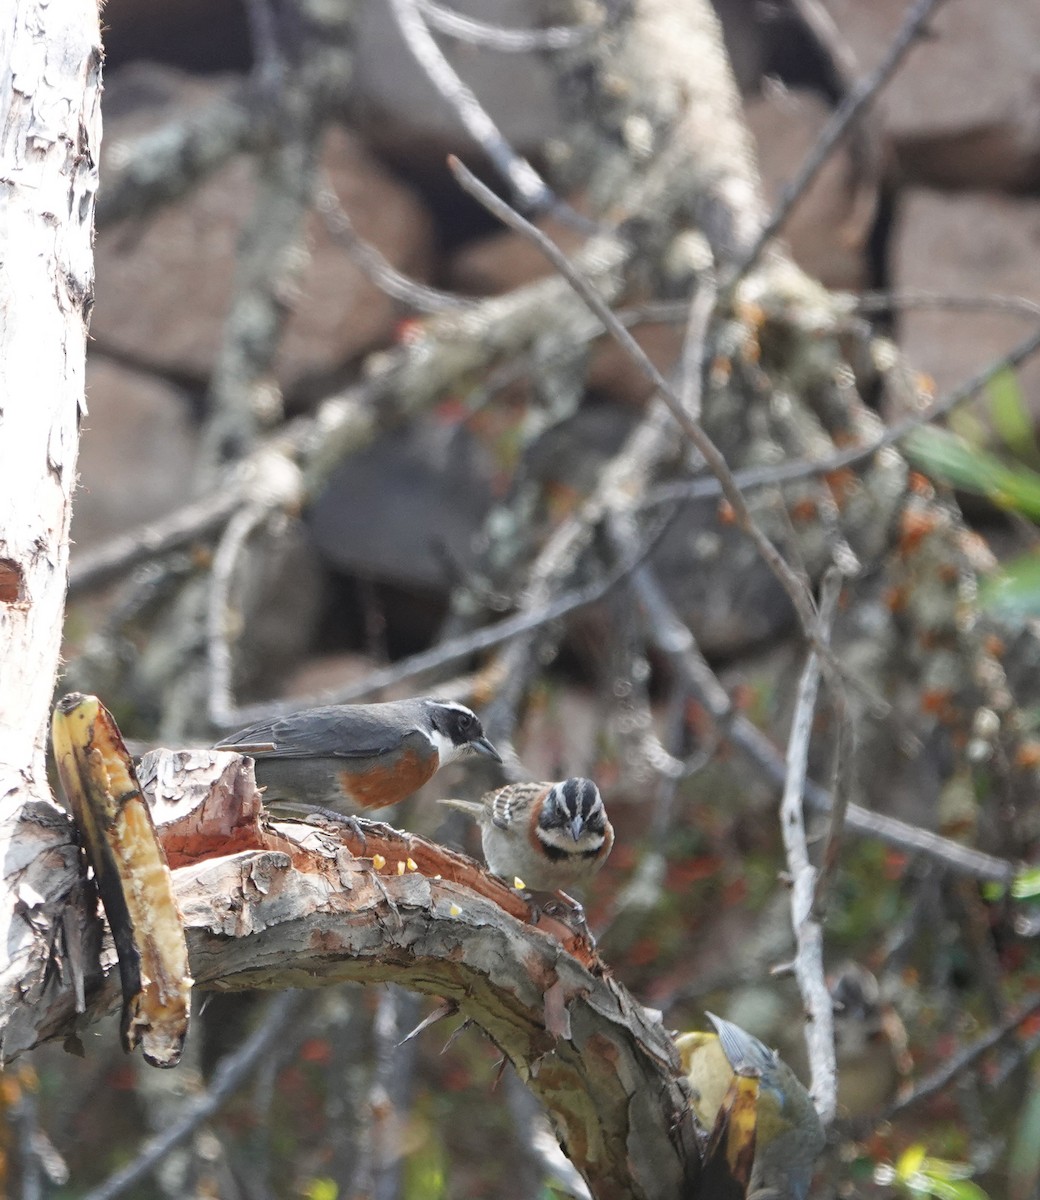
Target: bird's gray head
(573, 818)
(455, 731)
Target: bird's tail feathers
(472, 808)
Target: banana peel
(118, 835)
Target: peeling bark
(50, 129)
(296, 904)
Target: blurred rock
(964, 110)
(404, 510)
(279, 596)
(828, 230)
(203, 35)
(136, 452)
(164, 284)
(970, 245)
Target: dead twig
(854, 103)
(508, 41)
(955, 1065)
(531, 191)
(789, 579)
(675, 640)
(808, 932)
(417, 296)
(232, 1070)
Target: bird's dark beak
(483, 746)
(577, 827)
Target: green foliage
(916, 1175)
(954, 460)
(1009, 479)
(1026, 884)
(321, 1189)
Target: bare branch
(221, 620)
(808, 933)
(841, 798)
(509, 41)
(959, 1062)
(532, 192)
(754, 477)
(675, 640)
(232, 1071)
(695, 433)
(386, 277)
(863, 94)
(201, 518)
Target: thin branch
(863, 94)
(221, 620)
(509, 41)
(452, 650)
(788, 579)
(387, 278)
(841, 797)
(696, 353)
(1019, 306)
(199, 519)
(676, 641)
(808, 932)
(232, 1070)
(961, 1061)
(755, 477)
(532, 192)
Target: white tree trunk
(50, 130)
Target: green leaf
(321, 1189)
(1026, 884)
(1009, 414)
(1013, 593)
(952, 460)
(947, 1189)
(1024, 1158)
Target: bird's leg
(348, 819)
(572, 911)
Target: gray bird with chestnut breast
(551, 836)
(352, 757)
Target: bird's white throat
(445, 747)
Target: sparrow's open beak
(483, 746)
(577, 827)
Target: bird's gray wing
(358, 731)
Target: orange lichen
(914, 528)
(1027, 755)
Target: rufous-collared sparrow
(549, 836)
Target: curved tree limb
(293, 904)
